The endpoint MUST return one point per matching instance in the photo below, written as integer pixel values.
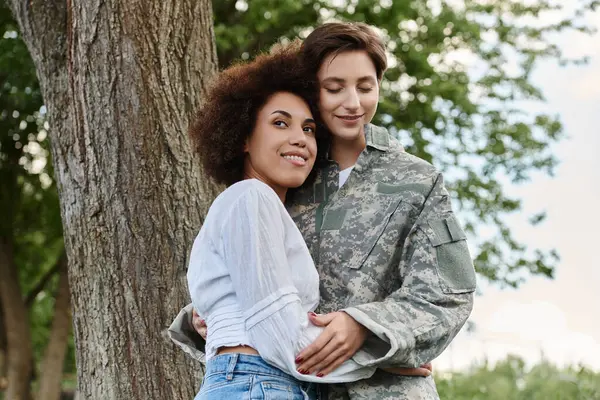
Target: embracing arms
(416, 322)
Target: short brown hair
(337, 37)
(228, 115)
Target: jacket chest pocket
(350, 231)
(304, 216)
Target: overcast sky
(560, 318)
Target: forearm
(408, 331)
(434, 298)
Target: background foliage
(511, 379)
(28, 197)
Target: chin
(349, 134)
(294, 182)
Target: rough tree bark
(3, 350)
(121, 79)
(51, 369)
(20, 354)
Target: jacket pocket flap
(446, 230)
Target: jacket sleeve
(414, 324)
(182, 333)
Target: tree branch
(30, 298)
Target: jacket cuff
(182, 333)
(382, 346)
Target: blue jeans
(245, 376)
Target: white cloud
(534, 331)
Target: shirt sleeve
(414, 324)
(253, 247)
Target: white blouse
(252, 278)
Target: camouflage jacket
(391, 253)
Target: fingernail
(312, 314)
(299, 360)
(320, 374)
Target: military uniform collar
(377, 137)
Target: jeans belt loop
(231, 366)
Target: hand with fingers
(340, 340)
(424, 370)
(199, 324)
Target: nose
(297, 137)
(352, 101)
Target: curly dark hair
(228, 115)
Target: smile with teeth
(350, 117)
(294, 158)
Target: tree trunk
(3, 349)
(121, 79)
(20, 353)
(51, 370)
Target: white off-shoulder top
(252, 278)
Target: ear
(246, 145)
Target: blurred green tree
(511, 379)
(30, 228)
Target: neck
(279, 190)
(345, 152)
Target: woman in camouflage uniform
(396, 277)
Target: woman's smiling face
(282, 148)
(349, 93)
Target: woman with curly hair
(250, 271)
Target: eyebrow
(287, 114)
(341, 80)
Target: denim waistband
(231, 363)
(235, 363)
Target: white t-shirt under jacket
(252, 277)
